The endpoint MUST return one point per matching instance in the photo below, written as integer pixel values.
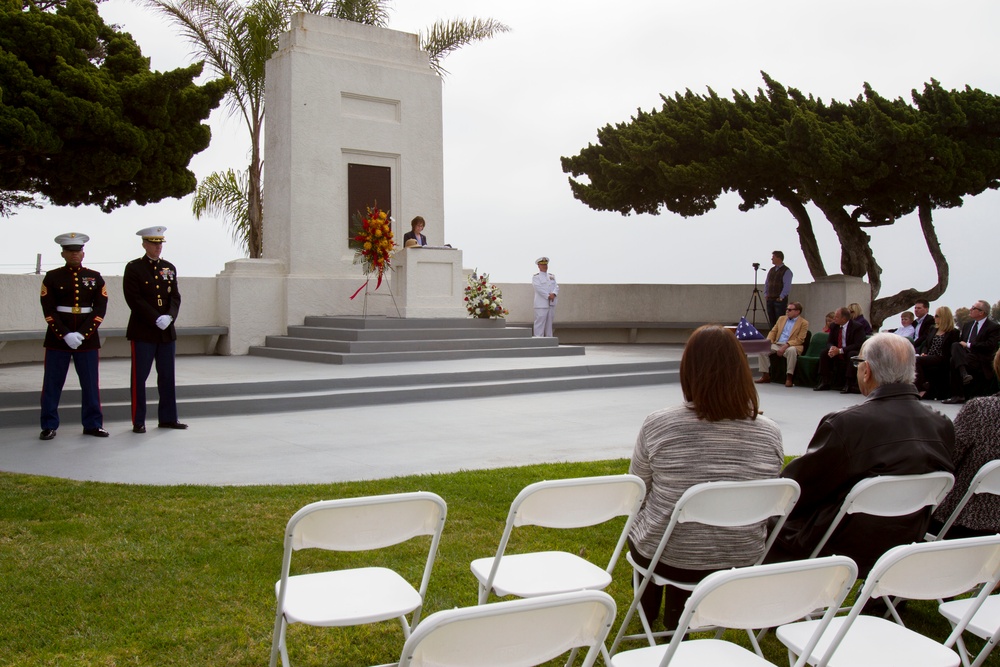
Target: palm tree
(236, 41)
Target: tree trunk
(855, 251)
(807, 237)
(888, 306)
(255, 197)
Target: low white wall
(247, 298)
(680, 303)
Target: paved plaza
(345, 444)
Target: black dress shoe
(47, 434)
(822, 386)
(966, 379)
(176, 425)
(954, 400)
(96, 432)
(138, 428)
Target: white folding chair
(564, 503)
(923, 571)
(984, 624)
(891, 495)
(724, 504)
(516, 633)
(986, 480)
(749, 598)
(355, 596)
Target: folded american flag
(747, 331)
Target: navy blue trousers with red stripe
(143, 356)
(56, 368)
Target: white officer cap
(152, 234)
(542, 260)
(72, 240)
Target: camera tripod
(756, 300)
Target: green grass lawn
(111, 575)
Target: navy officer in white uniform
(546, 294)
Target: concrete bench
(212, 332)
(620, 332)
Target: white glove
(73, 339)
(163, 321)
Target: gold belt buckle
(76, 310)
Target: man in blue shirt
(788, 337)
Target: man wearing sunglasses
(972, 356)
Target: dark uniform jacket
(150, 291)
(73, 288)
(891, 433)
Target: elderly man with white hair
(890, 433)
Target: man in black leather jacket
(890, 433)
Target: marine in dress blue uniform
(150, 286)
(74, 301)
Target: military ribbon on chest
(88, 281)
(166, 273)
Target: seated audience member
(788, 337)
(717, 434)
(934, 356)
(905, 329)
(829, 321)
(923, 323)
(977, 442)
(846, 337)
(890, 433)
(414, 237)
(972, 355)
(858, 317)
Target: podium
(428, 281)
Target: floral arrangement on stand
(483, 299)
(377, 246)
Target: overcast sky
(515, 104)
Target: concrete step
(401, 323)
(446, 353)
(372, 346)
(358, 340)
(397, 333)
(21, 408)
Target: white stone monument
(350, 108)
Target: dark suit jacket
(855, 338)
(986, 343)
(950, 338)
(926, 330)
